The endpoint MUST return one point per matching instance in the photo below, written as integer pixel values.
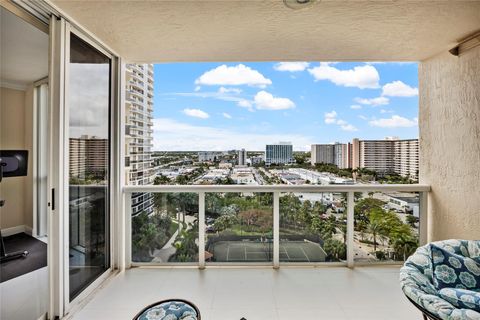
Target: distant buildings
(242, 157)
(255, 160)
(336, 154)
(322, 153)
(391, 155)
(281, 153)
(88, 156)
(243, 176)
(139, 164)
(209, 156)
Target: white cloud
(331, 118)
(291, 66)
(226, 115)
(355, 107)
(229, 90)
(233, 76)
(386, 111)
(170, 134)
(197, 88)
(362, 77)
(399, 89)
(363, 117)
(196, 113)
(266, 101)
(348, 127)
(245, 104)
(394, 122)
(379, 101)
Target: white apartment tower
(139, 128)
(242, 157)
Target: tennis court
(257, 251)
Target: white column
(201, 230)
(128, 230)
(350, 229)
(276, 230)
(423, 220)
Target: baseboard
(17, 229)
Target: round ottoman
(172, 309)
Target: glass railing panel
(165, 227)
(239, 227)
(313, 227)
(386, 226)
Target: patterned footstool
(173, 309)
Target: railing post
(350, 229)
(201, 230)
(276, 230)
(128, 230)
(423, 218)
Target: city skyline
(227, 106)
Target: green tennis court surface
(256, 251)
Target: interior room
(23, 154)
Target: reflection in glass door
(89, 107)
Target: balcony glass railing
(276, 224)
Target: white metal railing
(350, 190)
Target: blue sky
(223, 106)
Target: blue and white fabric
(169, 310)
(416, 278)
(462, 298)
(452, 270)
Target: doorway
(23, 78)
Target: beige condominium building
(88, 156)
(391, 155)
(139, 133)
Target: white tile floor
(371, 293)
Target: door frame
(60, 30)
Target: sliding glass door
(88, 107)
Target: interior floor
(364, 293)
(36, 258)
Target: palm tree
(374, 227)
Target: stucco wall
(450, 143)
(15, 133)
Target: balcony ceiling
(240, 30)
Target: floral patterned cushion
(452, 270)
(474, 250)
(462, 298)
(169, 310)
(416, 279)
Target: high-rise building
(242, 157)
(391, 155)
(337, 154)
(139, 129)
(209, 156)
(322, 153)
(88, 156)
(281, 153)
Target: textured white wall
(450, 143)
